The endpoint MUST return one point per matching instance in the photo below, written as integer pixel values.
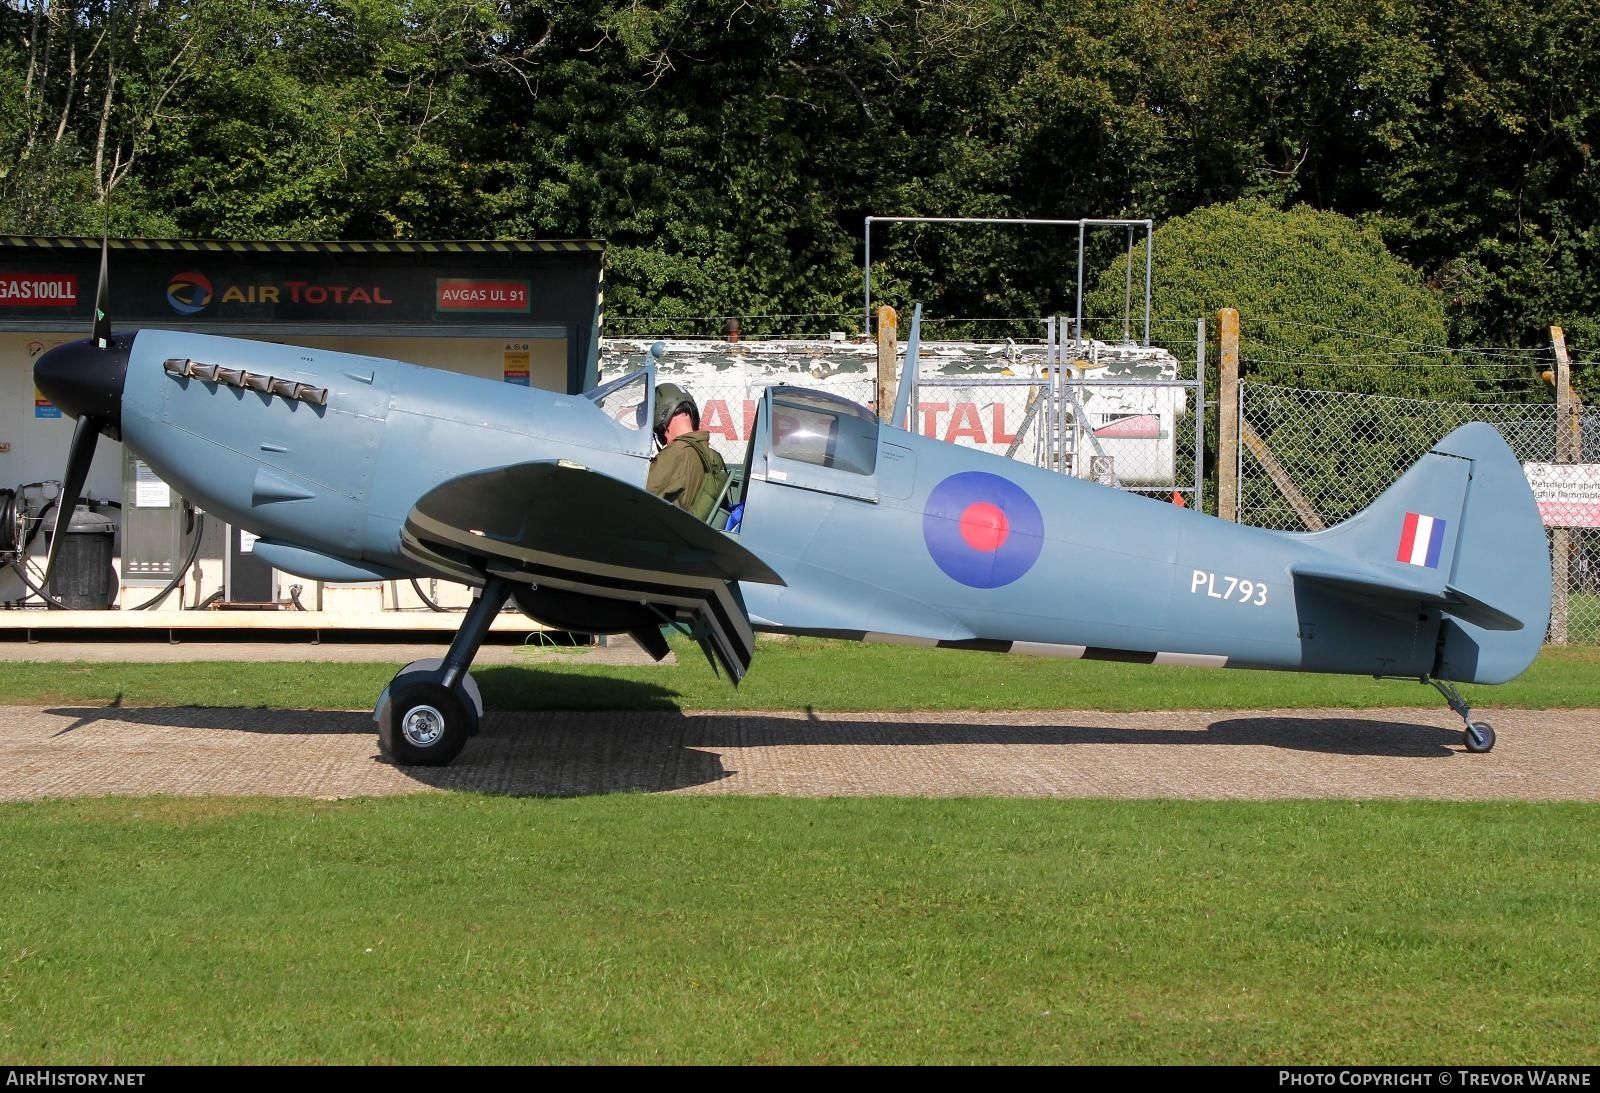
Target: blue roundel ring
(981, 529)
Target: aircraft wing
(569, 531)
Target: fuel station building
(525, 312)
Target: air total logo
(38, 289)
(191, 292)
(188, 293)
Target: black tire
(1479, 736)
(409, 675)
(427, 725)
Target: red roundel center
(984, 526)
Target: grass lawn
(635, 929)
(796, 674)
(1583, 617)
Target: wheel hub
(422, 725)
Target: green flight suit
(678, 471)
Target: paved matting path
(1541, 755)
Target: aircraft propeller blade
(84, 439)
(102, 317)
(90, 425)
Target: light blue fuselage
(1114, 575)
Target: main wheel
(427, 724)
(1479, 736)
(430, 671)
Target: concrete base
(36, 625)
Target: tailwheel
(1479, 736)
(426, 724)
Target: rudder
(1459, 531)
(1502, 557)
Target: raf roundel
(981, 529)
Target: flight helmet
(670, 400)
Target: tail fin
(1459, 531)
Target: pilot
(686, 471)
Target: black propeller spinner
(85, 379)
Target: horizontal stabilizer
(1355, 580)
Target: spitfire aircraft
(356, 468)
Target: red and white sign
(1132, 427)
(729, 421)
(463, 294)
(38, 289)
(1568, 493)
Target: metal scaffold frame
(1082, 225)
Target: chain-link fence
(1133, 434)
(1124, 415)
(1310, 459)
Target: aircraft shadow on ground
(502, 688)
(656, 754)
(1332, 735)
(658, 749)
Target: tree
(355, 120)
(1323, 302)
(713, 148)
(1323, 305)
(730, 152)
(86, 87)
(1498, 197)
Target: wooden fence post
(1228, 415)
(888, 338)
(1566, 445)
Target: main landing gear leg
(426, 714)
(1479, 736)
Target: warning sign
(43, 407)
(1568, 493)
(518, 360)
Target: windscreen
(825, 430)
(625, 400)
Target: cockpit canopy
(823, 429)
